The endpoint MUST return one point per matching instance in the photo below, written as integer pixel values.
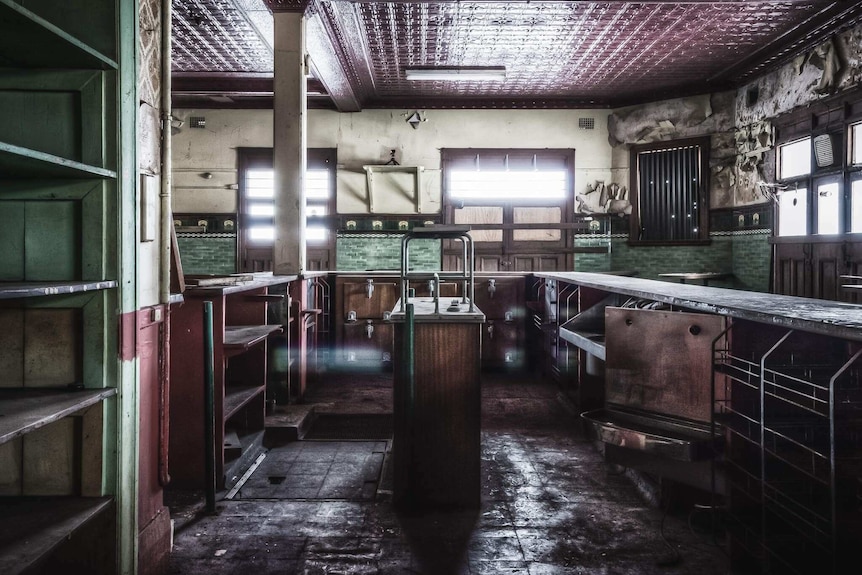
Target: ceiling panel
(556, 54)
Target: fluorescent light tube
(462, 73)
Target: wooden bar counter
(436, 443)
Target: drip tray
(656, 434)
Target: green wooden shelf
(29, 40)
(19, 162)
(23, 410)
(16, 290)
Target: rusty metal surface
(660, 361)
(557, 54)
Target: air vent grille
(587, 123)
(823, 150)
(197, 122)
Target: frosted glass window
(537, 216)
(828, 208)
(477, 215)
(317, 185)
(263, 234)
(793, 213)
(508, 185)
(794, 159)
(316, 234)
(261, 210)
(856, 207)
(856, 144)
(260, 184)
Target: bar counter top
(825, 317)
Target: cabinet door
(793, 269)
(502, 345)
(828, 264)
(367, 341)
(497, 297)
(368, 300)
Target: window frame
(835, 117)
(508, 247)
(635, 227)
(509, 205)
(249, 158)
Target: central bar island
(437, 404)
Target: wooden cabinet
(813, 267)
(60, 200)
(501, 299)
(363, 335)
(436, 448)
(240, 337)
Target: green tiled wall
(207, 255)
(362, 253)
(745, 254)
(752, 260)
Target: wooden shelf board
(31, 41)
(266, 297)
(20, 162)
(236, 397)
(23, 410)
(14, 290)
(32, 527)
(242, 337)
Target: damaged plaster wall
(740, 122)
(705, 115)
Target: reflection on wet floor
(550, 505)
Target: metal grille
(587, 123)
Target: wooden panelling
(436, 449)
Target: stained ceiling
(556, 54)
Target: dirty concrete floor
(550, 505)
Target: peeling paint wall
(740, 122)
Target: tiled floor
(549, 506)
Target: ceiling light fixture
(458, 73)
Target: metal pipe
(209, 408)
(164, 398)
(166, 224)
(410, 384)
(166, 221)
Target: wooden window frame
(508, 247)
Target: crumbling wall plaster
(740, 121)
(705, 115)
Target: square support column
(289, 153)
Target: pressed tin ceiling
(556, 54)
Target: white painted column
(289, 156)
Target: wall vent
(587, 123)
(197, 122)
(823, 150)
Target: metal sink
(668, 437)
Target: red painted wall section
(145, 335)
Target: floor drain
(276, 479)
